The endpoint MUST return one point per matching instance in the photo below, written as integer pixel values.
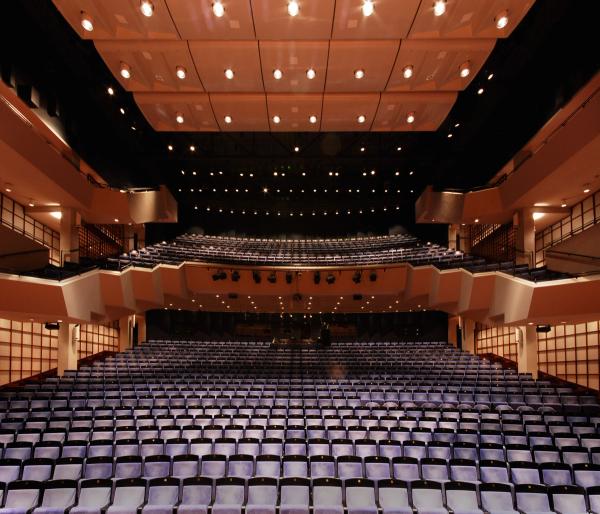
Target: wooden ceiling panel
(390, 20)
(248, 112)
(341, 112)
(468, 19)
(161, 110)
(153, 65)
(294, 112)
(313, 21)
(375, 58)
(436, 63)
(212, 58)
(196, 20)
(294, 58)
(118, 19)
(429, 111)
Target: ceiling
(256, 39)
(545, 60)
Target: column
(453, 231)
(69, 235)
(453, 322)
(525, 243)
(135, 237)
(527, 350)
(68, 342)
(140, 320)
(468, 335)
(125, 327)
(465, 239)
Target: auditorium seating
(395, 426)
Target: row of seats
(201, 495)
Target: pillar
(453, 232)
(69, 235)
(135, 237)
(68, 342)
(453, 322)
(468, 335)
(464, 238)
(525, 234)
(125, 328)
(140, 320)
(527, 350)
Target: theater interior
(299, 257)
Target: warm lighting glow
(480, 91)
(361, 118)
(276, 119)
(465, 69)
(192, 148)
(311, 74)
(490, 76)
(537, 216)
(170, 148)
(56, 214)
(563, 204)
(359, 74)
(86, 22)
(147, 8)
(229, 73)
(476, 220)
(125, 70)
(293, 8)
(296, 149)
(410, 117)
(586, 190)
(116, 220)
(179, 118)
(313, 119)
(218, 9)
(439, 7)
(368, 8)
(228, 119)
(407, 71)
(110, 91)
(277, 74)
(180, 71)
(501, 20)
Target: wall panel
(500, 340)
(98, 338)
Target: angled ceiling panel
(248, 112)
(429, 111)
(161, 110)
(295, 112)
(341, 112)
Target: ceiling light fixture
(296, 149)
(564, 203)
(293, 8)
(480, 91)
(537, 216)
(410, 117)
(228, 119)
(147, 8)
(192, 148)
(229, 74)
(501, 20)
(311, 73)
(56, 214)
(181, 72)
(439, 7)
(110, 91)
(312, 119)
(179, 118)
(170, 148)
(276, 119)
(586, 190)
(277, 74)
(490, 76)
(361, 118)
(125, 70)
(368, 8)
(218, 9)
(407, 71)
(87, 22)
(465, 69)
(359, 74)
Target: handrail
(572, 254)
(24, 252)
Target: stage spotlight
(317, 277)
(330, 278)
(373, 276)
(235, 276)
(288, 277)
(357, 277)
(272, 277)
(256, 276)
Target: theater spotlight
(288, 277)
(373, 276)
(330, 278)
(272, 277)
(357, 277)
(235, 276)
(256, 276)
(317, 277)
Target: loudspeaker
(325, 335)
(51, 326)
(543, 329)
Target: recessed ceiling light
(359, 74)
(490, 76)
(170, 148)
(147, 8)
(192, 148)
(368, 8)
(373, 173)
(399, 149)
(110, 91)
(361, 118)
(181, 72)
(476, 220)
(56, 214)
(311, 73)
(229, 73)
(87, 22)
(218, 9)
(312, 119)
(121, 110)
(116, 220)
(31, 204)
(125, 70)
(450, 135)
(465, 69)
(410, 117)
(586, 190)
(277, 74)
(439, 7)
(480, 91)
(296, 149)
(228, 119)
(362, 148)
(397, 173)
(563, 204)
(501, 20)
(456, 125)
(407, 71)
(537, 216)
(179, 118)
(276, 119)
(293, 8)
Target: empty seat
(94, 496)
(461, 498)
(58, 496)
(163, 495)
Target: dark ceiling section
(546, 60)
